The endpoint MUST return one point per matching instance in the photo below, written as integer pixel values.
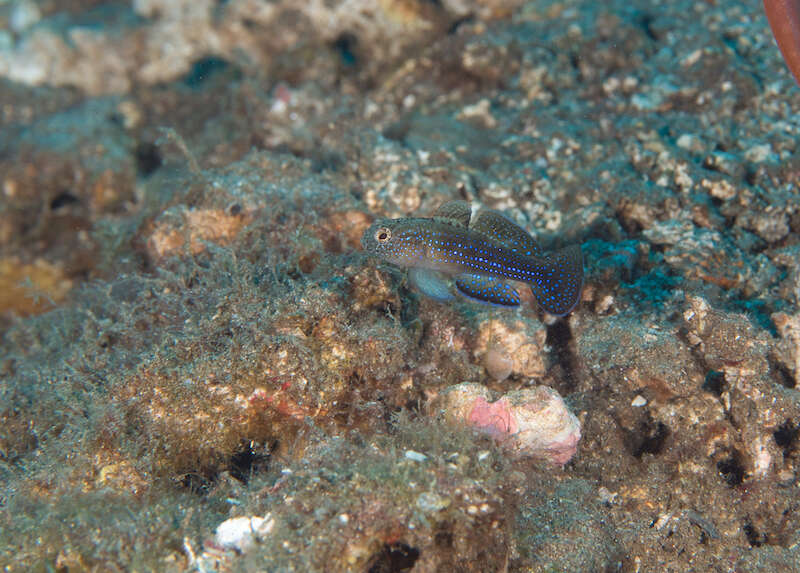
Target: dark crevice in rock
(204, 69)
(559, 337)
(786, 436)
(645, 22)
(199, 482)
(250, 460)
(731, 469)
(456, 24)
(649, 439)
(63, 199)
(714, 382)
(782, 375)
(394, 558)
(645, 436)
(148, 158)
(345, 45)
(754, 538)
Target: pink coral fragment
(560, 452)
(494, 418)
(528, 423)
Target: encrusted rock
(787, 350)
(506, 345)
(198, 226)
(532, 422)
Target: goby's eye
(383, 234)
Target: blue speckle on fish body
(481, 249)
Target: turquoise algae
(483, 250)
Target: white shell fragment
(416, 456)
(533, 422)
(240, 532)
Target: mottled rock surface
(191, 336)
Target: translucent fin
(505, 232)
(457, 212)
(431, 283)
(559, 289)
(487, 289)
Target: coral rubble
(200, 370)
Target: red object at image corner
(784, 19)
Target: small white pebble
(431, 502)
(240, 532)
(605, 303)
(638, 402)
(371, 109)
(692, 58)
(606, 495)
(662, 520)
(483, 454)
(759, 153)
(690, 142)
(344, 518)
(278, 106)
(472, 509)
(416, 456)
(24, 14)
(630, 82)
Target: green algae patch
(84, 531)
(425, 494)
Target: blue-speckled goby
(482, 250)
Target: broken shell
(498, 363)
(511, 344)
(241, 532)
(533, 422)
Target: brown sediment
(784, 19)
(225, 353)
(31, 288)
